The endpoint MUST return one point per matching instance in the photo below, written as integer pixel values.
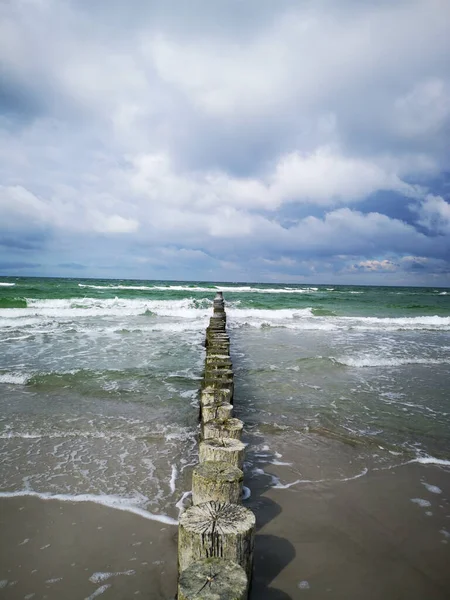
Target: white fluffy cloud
(244, 130)
(434, 214)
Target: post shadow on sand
(272, 553)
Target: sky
(227, 140)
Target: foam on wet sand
(340, 536)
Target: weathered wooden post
(222, 428)
(213, 579)
(219, 530)
(228, 450)
(216, 411)
(210, 395)
(217, 481)
(216, 535)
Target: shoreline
(342, 538)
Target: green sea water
(324, 300)
(99, 382)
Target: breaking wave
(197, 288)
(198, 311)
(380, 361)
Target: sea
(99, 385)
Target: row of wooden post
(216, 534)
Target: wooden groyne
(216, 534)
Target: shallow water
(99, 383)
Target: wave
(196, 288)
(306, 319)
(306, 290)
(379, 361)
(431, 460)
(14, 378)
(322, 312)
(111, 378)
(116, 287)
(114, 307)
(5, 284)
(133, 504)
(168, 433)
(13, 303)
(197, 311)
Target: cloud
(268, 137)
(15, 265)
(434, 214)
(75, 266)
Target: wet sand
(357, 539)
(52, 549)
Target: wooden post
(216, 530)
(228, 450)
(216, 535)
(227, 428)
(218, 363)
(219, 384)
(213, 578)
(221, 371)
(216, 411)
(217, 481)
(210, 395)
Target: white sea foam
(196, 288)
(15, 378)
(100, 577)
(303, 585)
(247, 289)
(133, 505)
(115, 287)
(184, 502)
(304, 319)
(434, 489)
(421, 502)
(198, 311)
(281, 314)
(399, 323)
(431, 460)
(173, 478)
(246, 493)
(102, 589)
(73, 308)
(5, 284)
(285, 486)
(382, 361)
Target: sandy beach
(53, 549)
(364, 538)
(382, 536)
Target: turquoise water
(323, 300)
(99, 381)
